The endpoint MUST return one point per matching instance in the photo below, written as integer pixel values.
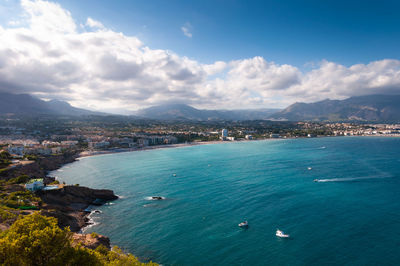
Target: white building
(249, 137)
(98, 145)
(17, 150)
(69, 142)
(34, 184)
(224, 134)
(143, 142)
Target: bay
(350, 217)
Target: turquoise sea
(350, 217)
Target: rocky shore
(41, 166)
(69, 204)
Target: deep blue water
(351, 219)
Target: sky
(119, 56)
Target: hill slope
(186, 112)
(25, 104)
(362, 108)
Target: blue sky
(291, 32)
(210, 54)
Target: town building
(224, 134)
(34, 184)
(249, 137)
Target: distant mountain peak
(363, 108)
(25, 104)
(179, 111)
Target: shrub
(19, 180)
(37, 240)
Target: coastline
(155, 147)
(86, 216)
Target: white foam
(151, 198)
(348, 179)
(89, 223)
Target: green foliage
(7, 213)
(31, 157)
(37, 240)
(5, 159)
(19, 199)
(55, 182)
(94, 235)
(117, 257)
(34, 240)
(19, 180)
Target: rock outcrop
(91, 241)
(69, 204)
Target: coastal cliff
(41, 166)
(69, 203)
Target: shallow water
(351, 216)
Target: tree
(37, 240)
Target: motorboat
(157, 198)
(316, 180)
(173, 174)
(243, 224)
(280, 233)
(309, 168)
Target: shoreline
(154, 147)
(88, 222)
(90, 153)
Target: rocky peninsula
(68, 203)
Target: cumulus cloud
(94, 23)
(186, 29)
(50, 57)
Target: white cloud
(94, 23)
(186, 29)
(51, 58)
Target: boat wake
(349, 179)
(154, 198)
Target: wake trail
(349, 179)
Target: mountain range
(186, 112)
(25, 104)
(360, 108)
(378, 108)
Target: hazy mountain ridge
(186, 112)
(25, 104)
(378, 108)
(361, 108)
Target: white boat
(316, 180)
(309, 168)
(243, 224)
(281, 234)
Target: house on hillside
(34, 184)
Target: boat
(316, 180)
(309, 168)
(157, 198)
(281, 234)
(243, 224)
(174, 174)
